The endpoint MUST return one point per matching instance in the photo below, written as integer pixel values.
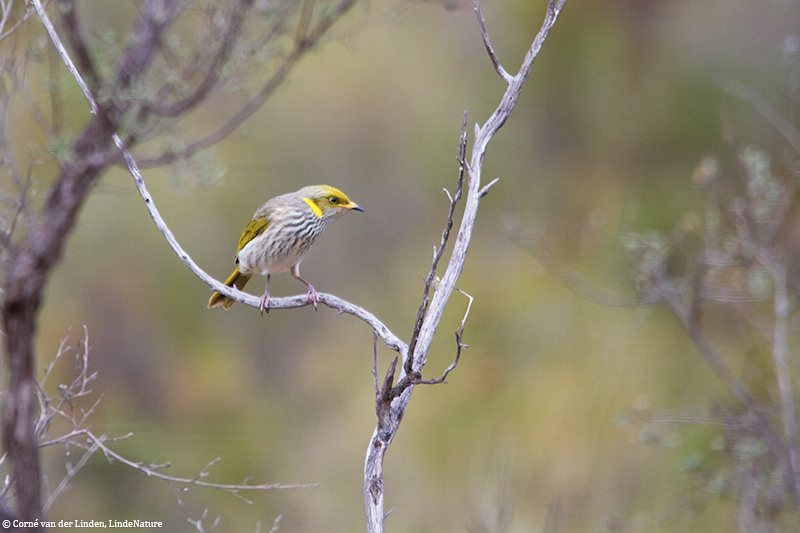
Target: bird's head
(327, 202)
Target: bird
(279, 235)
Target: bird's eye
(334, 200)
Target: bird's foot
(264, 304)
(312, 297)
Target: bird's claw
(313, 297)
(264, 304)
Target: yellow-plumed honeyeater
(279, 235)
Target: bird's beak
(354, 207)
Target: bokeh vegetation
(565, 414)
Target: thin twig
(51, 31)
(459, 347)
(257, 100)
(81, 436)
(439, 252)
(275, 524)
(198, 524)
(485, 190)
(6, 6)
(213, 71)
(230, 488)
(69, 18)
(28, 14)
(489, 49)
(71, 472)
(375, 361)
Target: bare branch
(438, 252)
(198, 524)
(51, 31)
(375, 361)
(485, 35)
(388, 391)
(485, 190)
(99, 442)
(66, 394)
(390, 413)
(484, 135)
(6, 6)
(65, 481)
(80, 436)
(255, 103)
(211, 79)
(69, 20)
(459, 346)
(6, 9)
(275, 524)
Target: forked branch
(390, 407)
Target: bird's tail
(238, 280)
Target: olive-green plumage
(279, 235)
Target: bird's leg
(312, 293)
(264, 305)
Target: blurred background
(531, 431)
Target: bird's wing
(254, 228)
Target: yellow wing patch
(314, 207)
(254, 229)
